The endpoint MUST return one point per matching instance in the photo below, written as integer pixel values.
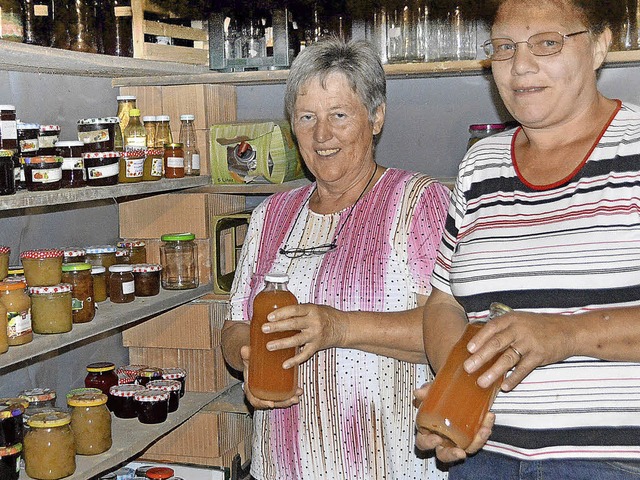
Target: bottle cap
(187, 117)
(276, 277)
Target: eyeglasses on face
(540, 44)
(308, 252)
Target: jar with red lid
(122, 257)
(90, 423)
(147, 279)
(130, 370)
(122, 402)
(10, 457)
(47, 139)
(152, 406)
(153, 164)
(176, 373)
(172, 387)
(14, 297)
(121, 284)
(11, 421)
(5, 252)
(173, 160)
(42, 267)
(73, 174)
(43, 173)
(159, 473)
(101, 168)
(78, 275)
(73, 255)
(148, 374)
(137, 250)
(101, 375)
(132, 166)
(51, 309)
(28, 139)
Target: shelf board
(253, 188)
(25, 199)
(131, 437)
(109, 317)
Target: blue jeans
(493, 466)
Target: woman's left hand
(523, 342)
(316, 328)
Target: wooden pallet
(198, 55)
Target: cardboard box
(229, 232)
(204, 256)
(254, 152)
(195, 325)
(154, 216)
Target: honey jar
(153, 164)
(90, 423)
(132, 166)
(14, 297)
(51, 309)
(78, 275)
(49, 447)
(173, 160)
(42, 268)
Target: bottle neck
(275, 286)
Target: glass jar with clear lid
(90, 423)
(179, 260)
(49, 447)
(51, 309)
(78, 275)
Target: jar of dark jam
(47, 139)
(73, 172)
(43, 173)
(176, 373)
(172, 387)
(78, 275)
(7, 172)
(122, 402)
(98, 134)
(148, 374)
(101, 375)
(10, 457)
(28, 139)
(152, 406)
(147, 279)
(121, 284)
(101, 168)
(137, 250)
(74, 255)
(8, 127)
(37, 22)
(11, 421)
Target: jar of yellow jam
(99, 275)
(90, 423)
(4, 339)
(42, 268)
(14, 297)
(51, 309)
(49, 447)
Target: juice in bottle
(455, 404)
(267, 379)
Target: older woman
(359, 246)
(546, 219)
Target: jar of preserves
(130, 369)
(28, 139)
(122, 403)
(101, 255)
(99, 275)
(8, 127)
(101, 168)
(99, 134)
(78, 275)
(5, 252)
(159, 473)
(173, 160)
(178, 257)
(126, 103)
(137, 250)
(122, 257)
(90, 423)
(10, 457)
(39, 397)
(176, 373)
(11, 421)
(37, 22)
(14, 297)
(101, 375)
(73, 173)
(49, 447)
(483, 130)
(42, 267)
(4, 338)
(147, 279)
(163, 131)
(51, 309)
(74, 255)
(153, 164)
(7, 172)
(81, 390)
(152, 406)
(132, 166)
(43, 173)
(48, 136)
(121, 284)
(148, 374)
(172, 387)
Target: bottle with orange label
(455, 404)
(267, 379)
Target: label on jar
(100, 172)
(72, 163)
(156, 166)
(77, 304)
(18, 324)
(128, 287)
(95, 136)
(195, 161)
(48, 141)
(41, 10)
(122, 11)
(29, 145)
(134, 167)
(46, 175)
(18, 174)
(175, 162)
(9, 130)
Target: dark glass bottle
(37, 21)
(118, 35)
(82, 27)
(61, 17)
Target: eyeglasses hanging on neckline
(308, 252)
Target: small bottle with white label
(190, 146)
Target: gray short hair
(355, 59)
